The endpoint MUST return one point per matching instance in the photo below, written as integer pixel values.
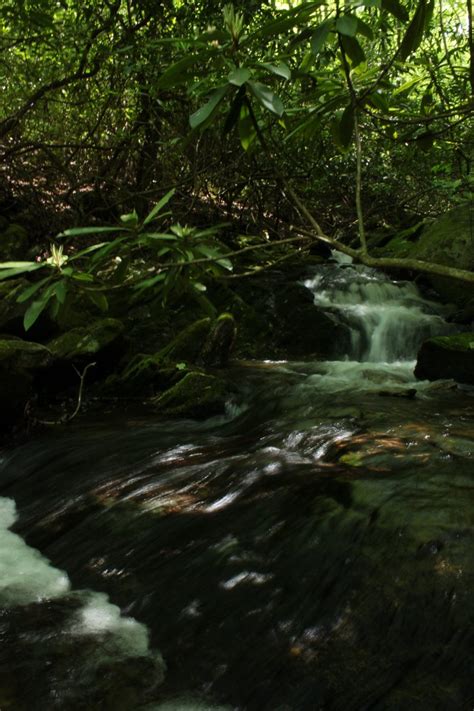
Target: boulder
(84, 342)
(448, 240)
(24, 355)
(197, 396)
(143, 376)
(220, 341)
(188, 344)
(447, 357)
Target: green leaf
(34, 311)
(99, 299)
(247, 132)
(8, 269)
(346, 126)
(151, 281)
(406, 86)
(342, 127)
(320, 35)
(234, 111)
(281, 69)
(79, 231)
(206, 111)
(353, 50)
(364, 29)
(82, 276)
(83, 252)
(239, 76)
(159, 206)
(267, 98)
(414, 34)
(395, 8)
(199, 286)
(61, 291)
(130, 219)
(31, 290)
(379, 101)
(177, 72)
(347, 25)
(226, 263)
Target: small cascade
(388, 320)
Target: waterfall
(388, 320)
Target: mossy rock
(449, 240)
(187, 346)
(86, 341)
(24, 355)
(13, 243)
(219, 342)
(447, 357)
(143, 376)
(197, 396)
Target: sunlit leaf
(320, 35)
(347, 25)
(239, 76)
(267, 98)
(159, 206)
(206, 111)
(281, 69)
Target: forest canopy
(340, 118)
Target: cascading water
(388, 320)
(312, 552)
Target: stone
(219, 342)
(196, 396)
(86, 341)
(447, 357)
(448, 240)
(188, 344)
(25, 355)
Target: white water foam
(388, 320)
(27, 577)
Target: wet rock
(409, 393)
(197, 395)
(87, 341)
(144, 376)
(447, 357)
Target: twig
(68, 418)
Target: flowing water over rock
(313, 550)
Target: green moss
(459, 342)
(84, 341)
(197, 395)
(17, 354)
(143, 375)
(220, 341)
(188, 345)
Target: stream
(311, 550)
